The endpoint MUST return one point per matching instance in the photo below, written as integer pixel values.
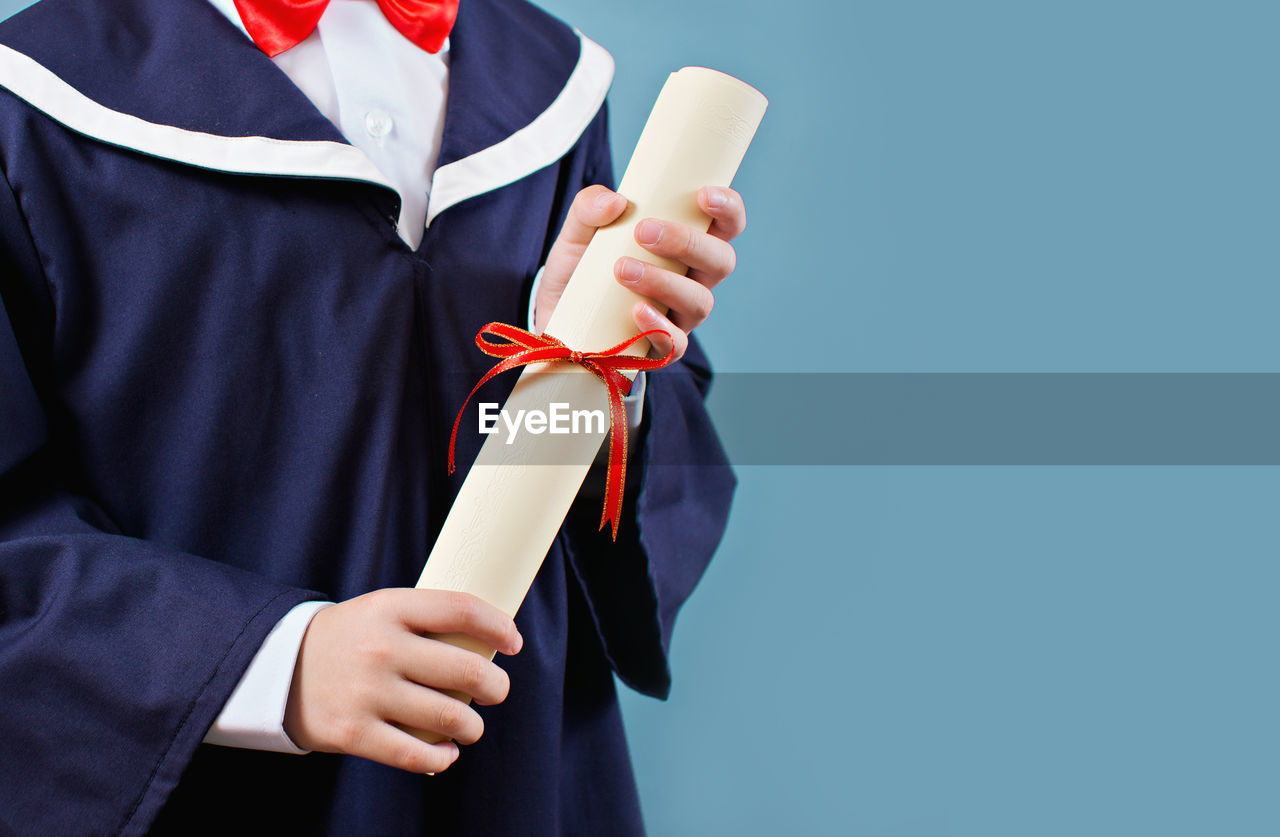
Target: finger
(727, 211)
(688, 302)
(647, 318)
(711, 258)
(426, 709)
(592, 208)
(442, 666)
(388, 745)
(450, 611)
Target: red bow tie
(277, 25)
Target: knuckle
(350, 734)
(375, 652)
(503, 687)
(494, 689)
(704, 301)
(654, 282)
(419, 758)
(582, 206)
(462, 607)
(374, 603)
(471, 729)
(363, 693)
(691, 243)
(449, 717)
(509, 634)
(408, 757)
(473, 673)
(590, 201)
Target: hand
(364, 667)
(708, 255)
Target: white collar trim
(539, 144)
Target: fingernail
(631, 270)
(604, 200)
(716, 198)
(648, 313)
(648, 232)
(519, 643)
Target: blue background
(981, 187)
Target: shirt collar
(228, 8)
(523, 87)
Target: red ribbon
(525, 347)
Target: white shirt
(383, 92)
(387, 97)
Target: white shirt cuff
(533, 298)
(253, 717)
(634, 402)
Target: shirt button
(377, 123)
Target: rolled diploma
(512, 503)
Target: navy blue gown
(226, 387)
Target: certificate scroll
(516, 496)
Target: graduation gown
(227, 387)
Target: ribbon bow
(524, 347)
(278, 25)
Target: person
(237, 320)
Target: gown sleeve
(676, 507)
(116, 654)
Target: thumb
(593, 207)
